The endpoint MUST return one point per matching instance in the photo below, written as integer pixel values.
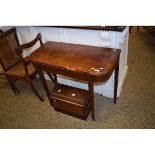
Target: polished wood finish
(16, 67)
(71, 100)
(83, 62)
(77, 60)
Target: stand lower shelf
(70, 100)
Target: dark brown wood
(2, 76)
(71, 100)
(16, 67)
(83, 62)
(104, 28)
(116, 80)
(77, 59)
(91, 92)
(12, 85)
(44, 84)
(30, 44)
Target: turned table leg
(91, 90)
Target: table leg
(91, 90)
(43, 81)
(55, 78)
(116, 81)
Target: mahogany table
(81, 62)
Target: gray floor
(134, 109)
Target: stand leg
(91, 90)
(116, 81)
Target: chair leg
(50, 76)
(13, 87)
(53, 79)
(35, 91)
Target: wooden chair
(16, 67)
(2, 77)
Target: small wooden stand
(70, 100)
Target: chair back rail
(8, 42)
(11, 58)
(21, 48)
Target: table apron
(63, 72)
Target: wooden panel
(97, 61)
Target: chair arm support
(20, 48)
(1, 31)
(6, 33)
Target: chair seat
(1, 70)
(2, 76)
(18, 70)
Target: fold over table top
(96, 61)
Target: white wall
(111, 39)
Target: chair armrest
(20, 48)
(1, 31)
